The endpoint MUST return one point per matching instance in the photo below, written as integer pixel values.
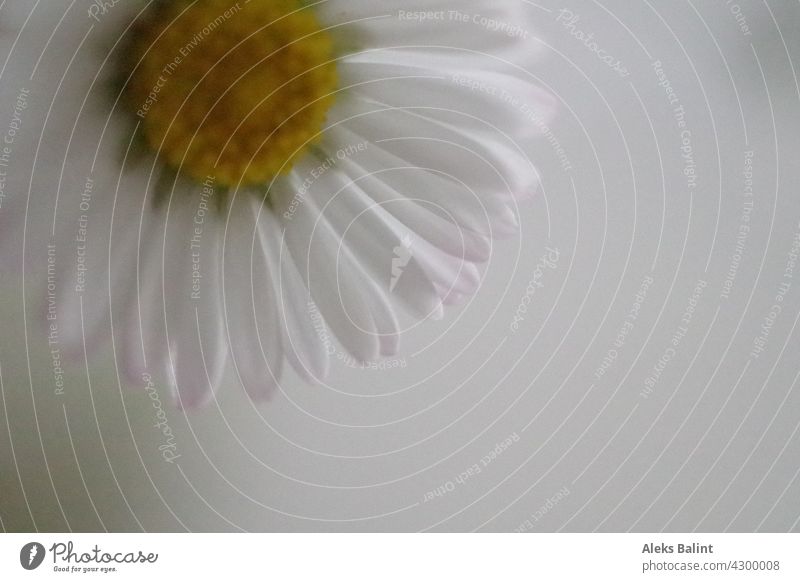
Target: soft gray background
(714, 447)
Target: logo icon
(31, 555)
(402, 256)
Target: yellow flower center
(233, 90)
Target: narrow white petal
(143, 339)
(252, 323)
(300, 340)
(391, 23)
(193, 306)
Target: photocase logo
(101, 8)
(31, 555)
(402, 256)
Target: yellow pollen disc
(233, 90)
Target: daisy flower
(210, 183)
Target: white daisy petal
(192, 304)
(450, 298)
(252, 323)
(393, 23)
(144, 341)
(386, 324)
(302, 345)
(85, 301)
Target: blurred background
(629, 363)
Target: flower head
(290, 172)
